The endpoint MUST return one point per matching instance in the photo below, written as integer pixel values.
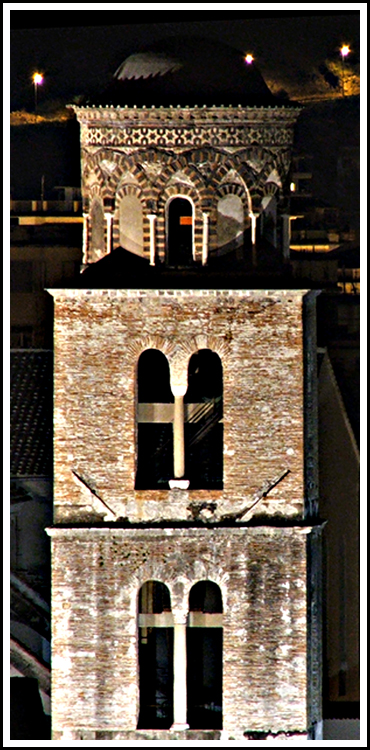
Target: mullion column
(179, 672)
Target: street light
(37, 80)
(249, 59)
(344, 51)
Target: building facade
(242, 527)
(186, 532)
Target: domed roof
(188, 71)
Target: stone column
(253, 218)
(179, 672)
(109, 218)
(85, 237)
(205, 239)
(178, 431)
(152, 218)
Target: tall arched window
(203, 427)
(230, 223)
(97, 241)
(155, 656)
(180, 232)
(131, 224)
(154, 422)
(204, 656)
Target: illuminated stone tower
(185, 536)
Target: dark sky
(78, 59)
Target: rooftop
(187, 71)
(31, 412)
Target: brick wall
(101, 554)
(99, 336)
(97, 574)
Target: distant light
(292, 187)
(37, 80)
(249, 59)
(345, 50)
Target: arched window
(131, 224)
(204, 656)
(97, 240)
(155, 656)
(180, 232)
(268, 219)
(203, 426)
(230, 223)
(154, 422)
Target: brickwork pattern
(195, 147)
(97, 574)
(99, 336)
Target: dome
(188, 71)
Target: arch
(204, 638)
(154, 421)
(154, 598)
(204, 428)
(155, 634)
(180, 231)
(205, 596)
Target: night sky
(77, 60)
(80, 61)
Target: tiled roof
(31, 412)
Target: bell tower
(186, 534)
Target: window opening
(155, 656)
(230, 224)
(180, 232)
(204, 656)
(131, 224)
(203, 421)
(97, 226)
(154, 422)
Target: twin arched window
(203, 429)
(203, 654)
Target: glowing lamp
(292, 187)
(345, 50)
(249, 59)
(37, 80)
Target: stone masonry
(99, 336)
(96, 577)
(145, 156)
(250, 537)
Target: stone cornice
(89, 532)
(179, 293)
(172, 127)
(154, 116)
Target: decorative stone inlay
(176, 127)
(221, 136)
